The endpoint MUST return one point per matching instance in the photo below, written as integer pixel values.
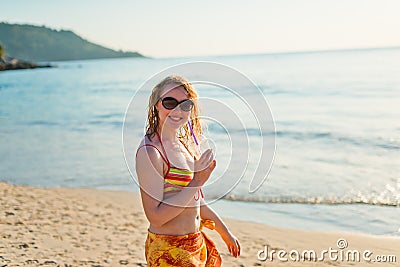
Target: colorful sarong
(191, 250)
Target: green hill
(39, 43)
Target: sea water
(337, 134)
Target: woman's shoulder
(151, 147)
(148, 142)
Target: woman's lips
(174, 118)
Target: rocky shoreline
(9, 63)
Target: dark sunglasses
(171, 103)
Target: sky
(178, 28)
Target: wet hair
(153, 120)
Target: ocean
(336, 136)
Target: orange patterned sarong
(191, 250)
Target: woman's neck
(169, 135)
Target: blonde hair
(153, 119)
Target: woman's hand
(233, 244)
(204, 161)
(203, 167)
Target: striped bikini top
(176, 178)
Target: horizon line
(287, 52)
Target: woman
(170, 175)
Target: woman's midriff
(186, 222)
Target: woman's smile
(175, 118)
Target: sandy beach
(87, 227)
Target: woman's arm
(149, 168)
(230, 240)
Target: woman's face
(177, 117)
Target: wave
(116, 120)
(117, 123)
(126, 90)
(110, 115)
(5, 86)
(378, 142)
(316, 200)
(70, 124)
(44, 123)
